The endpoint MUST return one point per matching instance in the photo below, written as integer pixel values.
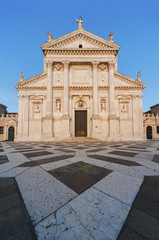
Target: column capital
(66, 64)
(95, 64)
(49, 64)
(111, 65)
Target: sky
(24, 26)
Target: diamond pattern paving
(72, 191)
(80, 176)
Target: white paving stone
(8, 166)
(99, 163)
(14, 172)
(120, 186)
(92, 215)
(42, 193)
(17, 157)
(54, 165)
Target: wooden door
(81, 123)
(11, 134)
(149, 132)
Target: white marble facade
(80, 74)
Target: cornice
(103, 88)
(58, 88)
(81, 88)
(80, 52)
(138, 84)
(39, 88)
(33, 79)
(129, 88)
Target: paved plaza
(79, 190)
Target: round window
(80, 46)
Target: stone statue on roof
(111, 36)
(21, 77)
(80, 22)
(50, 37)
(138, 76)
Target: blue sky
(24, 26)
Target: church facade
(80, 93)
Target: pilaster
(95, 118)
(26, 117)
(66, 117)
(20, 116)
(113, 120)
(47, 121)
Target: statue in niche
(80, 22)
(37, 108)
(111, 36)
(138, 76)
(21, 77)
(58, 106)
(103, 106)
(50, 37)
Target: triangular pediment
(38, 81)
(80, 39)
(122, 80)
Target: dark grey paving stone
(152, 181)
(11, 219)
(6, 190)
(65, 150)
(143, 218)
(96, 150)
(29, 164)
(140, 147)
(80, 176)
(147, 206)
(36, 154)
(156, 158)
(26, 151)
(149, 192)
(1, 150)
(9, 201)
(3, 159)
(15, 222)
(121, 153)
(143, 224)
(114, 160)
(128, 234)
(23, 233)
(5, 182)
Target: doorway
(81, 123)
(11, 134)
(149, 132)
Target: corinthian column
(49, 107)
(111, 89)
(95, 88)
(66, 88)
